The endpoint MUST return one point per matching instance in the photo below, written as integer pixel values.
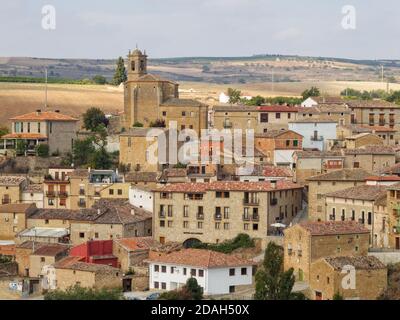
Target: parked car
(153, 296)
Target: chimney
(132, 212)
(38, 111)
(273, 184)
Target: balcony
(246, 217)
(362, 221)
(200, 216)
(162, 215)
(332, 217)
(228, 125)
(218, 217)
(251, 202)
(5, 201)
(255, 217)
(63, 194)
(317, 138)
(251, 217)
(50, 194)
(82, 204)
(81, 192)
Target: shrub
(79, 293)
(138, 125)
(42, 150)
(240, 241)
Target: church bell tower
(137, 64)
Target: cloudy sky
(176, 28)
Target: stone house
(57, 188)
(371, 158)
(132, 252)
(218, 211)
(279, 146)
(337, 112)
(327, 278)
(362, 139)
(312, 163)
(33, 193)
(393, 209)
(322, 184)
(307, 242)
(359, 204)
(11, 188)
(13, 219)
(45, 255)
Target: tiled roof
(30, 245)
(143, 132)
(44, 115)
(137, 243)
(395, 169)
(177, 102)
(17, 207)
(379, 128)
(359, 135)
(325, 108)
(278, 108)
(262, 186)
(381, 201)
(73, 264)
(371, 149)
(50, 250)
(314, 120)
(235, 108)
(359, 262)
(364, 192)
(383, 178)
(318, 154)
(325, 228)
(152, 78)
(175, 172)
(329, 99)
(142, 177)
(275, 133)
(79, 173)
(201, 258)
(33, 188)
(342, 175)
(33, 136)
(371, 104)
(272, 171)
(11, 180)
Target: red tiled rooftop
(43, 116)
(50, 250)
(138, 243)
(278, 108)
(325, 228)
(271, 171)
(383, 178)
(24, 136)
(262, 186)
(201, 258)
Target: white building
(316, 133)
(215, 272)
(309, 102)
(33, 193)
(141, 197)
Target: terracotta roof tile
(11, 180)
(17, 207)
(278, 108)
(138, 243)
(50, 250)
(324, 228)
(364, 192)
(44, 115)
(201, 258)
(24, 136)
(342, 175)
(371, 149)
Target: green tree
(234, 95)
(100, 159)
(138, 125)
(78, 293)
(93, 118)
(190, 291)
(272, 283)
(255, 101)
(120, 72)
(337, 296)
(4, 131)
(21, 147)
(195, 290)
(98, 79)
(42, 150)
(83, 151)
(159, 123)
(312, 92)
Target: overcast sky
(176, 28)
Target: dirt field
(18, 98)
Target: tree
(21, 147)
(98, 79)
(93, 118)
(234, 95)
(255, 101)
(42, 150)
(337, 296)
(120, 72)
(272, 283)
(101, 159)
(312, 92)
(82, 151)
(159, 123)
(195, 290)
(4, 131)
(78, 293)
(138, 124)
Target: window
(51, 202)
(119, 192)
(185, 224)
(163, 269)
(218, 225)
(156, 285)
(356, 248)
(51, 127)
(226, 226)
(369, 218)
(164, 113)
(231, 289)
(277, 115)
(201, 273)
(111, 192)
(162, 223)
(255, 226)
(163, 285)
(184, 271)
(295, 142)
(96, 235)
(38, 127)
(185, 211)
(226, 212)
(199, 225)
(243, 271)
(42, 259)
(231, 272)
(29, 127)
(193, 272)
(46, 221)
(81, 235)
(172, 269)
(183, 113)
(246, 226)
(287, 143)
(169, 224)
(338, 250)
(327, 280)
(264, 117)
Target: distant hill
(221, 70)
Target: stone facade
(13, 219)
(362, 139)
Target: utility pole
(45, 101)
(382, 72)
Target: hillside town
(174, 190)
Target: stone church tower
(148, 98)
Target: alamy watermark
(49, 17)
